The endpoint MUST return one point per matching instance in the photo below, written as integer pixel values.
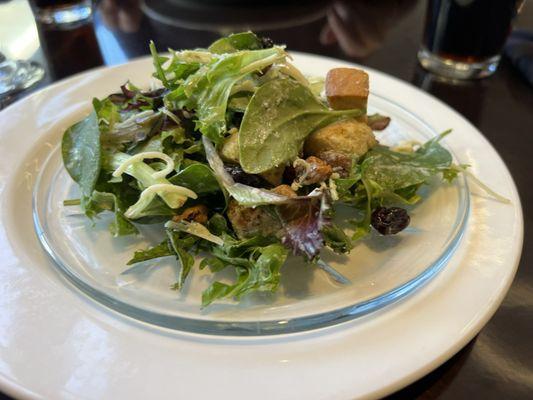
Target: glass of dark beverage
(463, 38)
(62, 13)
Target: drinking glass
(463, 39)
(62, 13)
(17, 75)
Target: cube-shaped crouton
(347, 88)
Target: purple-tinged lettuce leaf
(303, 220)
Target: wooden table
(498, 363)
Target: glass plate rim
(263, 327)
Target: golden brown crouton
(196, 213)
(248, 221)
(347, 88)
(340, 162)
(349, 137)
(284, 190)
(312, 170)
(229, 151)
(273, 175)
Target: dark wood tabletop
(385, 35)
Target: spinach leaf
(244, 194)
(279, 117)
(197, 177)
(207, 90)
(81, 153)
(236, 42)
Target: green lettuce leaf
(207, 90)
(236, 42)
(107, 112)
(171, 71)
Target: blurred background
(44, 41)
(383, 34)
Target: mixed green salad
(243, 160)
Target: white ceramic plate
(57, 343)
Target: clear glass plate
(381, 269)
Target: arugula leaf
(392, 170)
(180, 65)
(113, 197)
(235, 42)
(214, 264)
(207, 90)
(260, 272)
(336, 239)
(264, 274)
(278, 119)
(390, 176)
(175, 245)
(80, 148)
(241, 247)
(161, 250)
(100, 201)
(107, 112)
(186, 260)
(195, 229)
(158, 64)
(217, 290)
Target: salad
(242, 161)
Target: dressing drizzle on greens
(238, 112)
